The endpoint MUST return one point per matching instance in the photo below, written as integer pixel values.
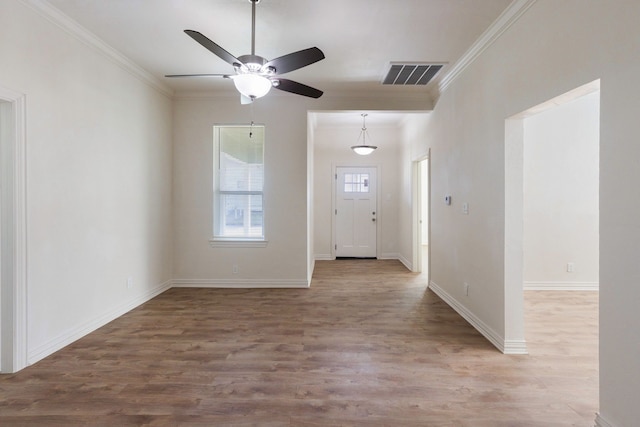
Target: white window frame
(218, 239)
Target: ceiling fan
(254, 75)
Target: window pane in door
(356, 183)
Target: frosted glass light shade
(363, 150)
(252, 85)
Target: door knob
(373, 219)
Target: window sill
(237, 243)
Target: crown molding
(508, 17)
(46, 10)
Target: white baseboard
(515, 347)
(312, 267)
(239, 283)
(399, 257)
(323, 257)
(561, 286)
(389, 255)
(74, 334)
(406, 262)
(601, 422)
(505, 346)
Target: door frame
(418, 194)
(13, 253)
(379, 215)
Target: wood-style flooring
(366, 345)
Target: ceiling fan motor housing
(254, 64)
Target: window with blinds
(238, 182)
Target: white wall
(415, 146)
(553, 48)
(98, 180)
(332, 148)
(283, 262)
(424, 205)
(311, 260)
(289, 159)
(406, 198)
(561, 184)
(6, 309)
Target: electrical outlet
(129, 282)
(235, 268)
(570, 267)
(466, 288)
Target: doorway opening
(551, 204)
(561, 229)
(422, 216)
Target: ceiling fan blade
(213, 47)
(226, 76)
(297, 88)
(296, 60)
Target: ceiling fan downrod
(253, 25)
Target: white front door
(356, 212)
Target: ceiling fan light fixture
(252, 85)
(363, 149)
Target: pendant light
(364, 148)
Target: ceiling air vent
(410, 74)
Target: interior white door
(356, 212)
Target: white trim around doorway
(14, 246)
